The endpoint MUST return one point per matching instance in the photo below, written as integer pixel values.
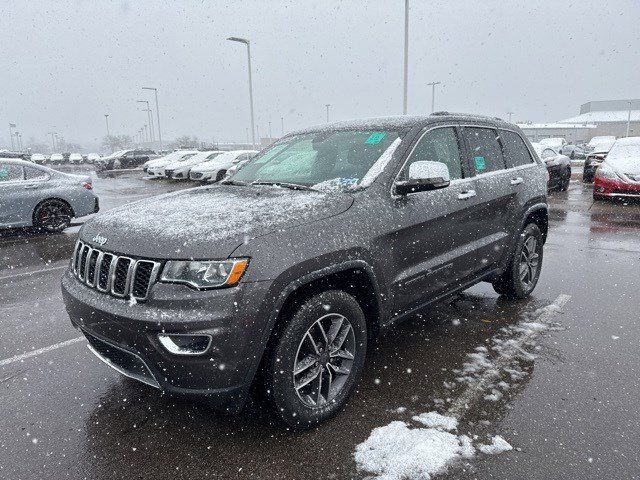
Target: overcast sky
(65, 64)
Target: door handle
(466, 194)
(517, 181)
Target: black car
(282, 275)
(558, 167)
(128, 159)
(573, 151)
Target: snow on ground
(400, 450)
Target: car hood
(207, 222)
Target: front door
(429, 248)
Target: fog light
(185, 344)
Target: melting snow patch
(435, 420)
(498, 445)
(396, 451)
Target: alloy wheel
(529, 262)
(324, 360)
(53, 216)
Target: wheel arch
(539, 215)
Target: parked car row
(123, 159)
(59, 158)
(208, 166)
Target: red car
(619, 175)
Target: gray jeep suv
(280, 276)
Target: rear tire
(523, 270)
(324, 344)
(220, 175)
(52, 216)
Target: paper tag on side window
(480, 164)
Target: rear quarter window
(485, 151)
(516, 152)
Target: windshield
(340, 157)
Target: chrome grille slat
(120, 276)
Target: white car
(156, 168)
(215, 170)
(56, 158)
(75, 158)
(180, 169)
(38, 158)
(93, 157)
(555, 143)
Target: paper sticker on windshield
(480, 164)
(375, 138)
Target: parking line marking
(6, 277)
(39, 351)
(463, 403)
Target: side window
(35, 174)
(486, 153)
(10, 172)
(438, 145)
(515, 150)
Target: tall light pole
(106, 119)
(17, 134)
(327, 105)
(282, 124)
(433, 95)
(11, 127)
(148, 110)
(270, 130)
(248, 44)
(406, 55)
(53, 144)
(628, 120)
(157, 113)
(509, 113)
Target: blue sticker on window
(4, 173)
(480, 163)
(375, 138)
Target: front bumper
(605, 187)
(200, 176)
(125, 336)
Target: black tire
(307, 406)
(564, 184)
(52, 216)
(511, 283)
(220, 175)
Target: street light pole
(509, 113)
(106, 119)
(248, 44)
(157, 113)
(327, 105)
(628, 120)
(433, 95)
(406, 55)
(150, 117)
(11, 127)
(282, 124)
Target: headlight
(205, 274)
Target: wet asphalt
(576, 414)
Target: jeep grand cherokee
(280, 276)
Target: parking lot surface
(573, 412)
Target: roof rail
(440, 113)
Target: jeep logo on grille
(99, 239)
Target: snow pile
(498, 445)
(396, 451)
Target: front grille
(168, 173)
(120, 276)
(196, 175)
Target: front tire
(52, 216)
(220, 175)
(523, 270)
(318, 359)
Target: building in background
(573, 133)
(609, 117)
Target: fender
(274, 308)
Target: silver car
(34, 195)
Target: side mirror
(424, 175)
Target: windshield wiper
(237, 183)
(292, 186)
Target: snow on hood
(208, 222)
(624, 156)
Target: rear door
(526, 174)
(12, 193)
(497, 203)
(429, 248)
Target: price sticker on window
(480, 163)
(375, 138)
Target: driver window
(438, 145)
(10, 172)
